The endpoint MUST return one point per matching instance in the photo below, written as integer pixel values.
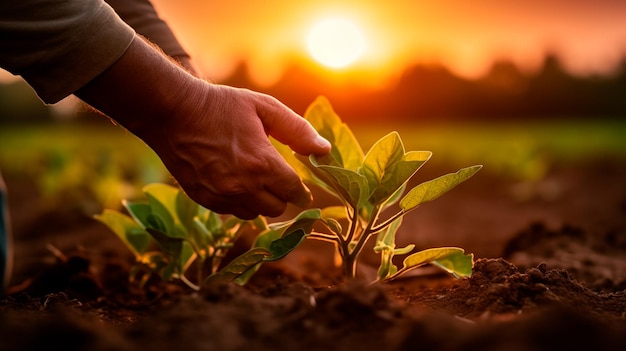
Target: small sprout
(367, 185)
(170, 232)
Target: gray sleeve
(142, 16)
(58, 46)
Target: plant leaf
(452, 259)
(334, 212)
(139, 211)
(433, 189)
(398, 174)
(459, 264)
(345, 148)
(162, 198)
(239, 266)
(285, 244)
(301, 169)
(129, 231)
(350, 185)
(186, 209)
(385, 152)
(173, 250)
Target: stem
(189, 284)
(350, 259)
(324, 237)
(387, 222)
(353, 224)
(200, 267)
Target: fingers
(279, 186)
(291, 129)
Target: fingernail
(322, 142)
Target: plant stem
(388, 222)
(350, 257)
(200, 268)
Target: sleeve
(58, 46)
(142, 16)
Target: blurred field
(520, 150)
(100, 163)
(96, 163)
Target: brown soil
(550, 274)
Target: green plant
(170, 232)
(367, 185)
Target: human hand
(217, 148)
(212, 138)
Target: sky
(465, 35)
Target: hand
(212, 138)
(217, 148)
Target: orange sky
(465, 35)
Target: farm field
(545, 219)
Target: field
(545, 219)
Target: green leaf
(214, 223)
(173, 250)
(459, 264)
(156, 222)
(334, 212)
(287, 243)
(301, 169)
(333, 225)
(433, 189)
(452, 259)
(345, 148)
(349, 184)
(385, 152)
(162, 198)
(139, 211)
(398, 174)
(186, 209)
(129, 231)
(313, 213)
(238, 266)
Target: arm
(212, 138)
(143, 18)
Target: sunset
(336, 42)
(467, 36)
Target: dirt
(550, 274)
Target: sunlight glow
(336, 42)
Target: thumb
(291, 129)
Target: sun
(336, 42)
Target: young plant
(170, 232)
(367, 185)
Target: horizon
(467, 39)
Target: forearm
(132, 90)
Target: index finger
(291, 129)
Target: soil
(550, 274)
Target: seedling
(367, 185)
(170, 232)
